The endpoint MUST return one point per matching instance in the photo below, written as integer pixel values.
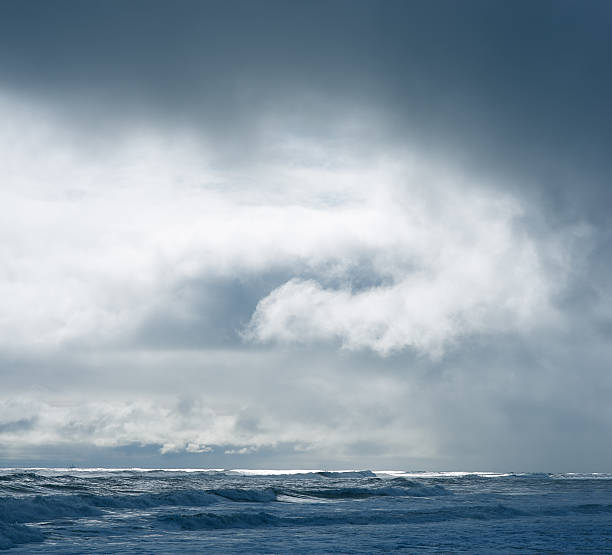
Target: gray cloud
(520, 86)
(509, 403)
(15, 426)
(174, 170)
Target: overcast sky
(342, 234)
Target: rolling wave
(214, 521)
(364, 492)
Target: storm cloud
(303, 234)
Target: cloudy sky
(339, 234)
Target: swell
(365, 492)
(48, 507)
(213, 521)
(246, 494)
(216, 521)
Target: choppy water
(170, 511)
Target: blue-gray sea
(230, 511)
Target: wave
(347, 474)
(240, 494)
(39, 473)
(335, 474)
(301, 473)
(48, 507)
(30, 476)
(188, 498)
(363, 492)
(400, 488)
(41, 508)
(214, 521)
(530, 476)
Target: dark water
(169, 511)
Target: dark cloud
(516, 94)
(212, 313)
(518, 87)
(23, 424)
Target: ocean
(300, 511)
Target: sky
(340, 234)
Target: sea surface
(299, 511)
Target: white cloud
(59, 420)
(451, 259)
(93, 238)
(185, 402)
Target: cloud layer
(341, 233)
(394, 252)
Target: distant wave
(29, 476)
(347, 474)
(43, 474)
(303, 473)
